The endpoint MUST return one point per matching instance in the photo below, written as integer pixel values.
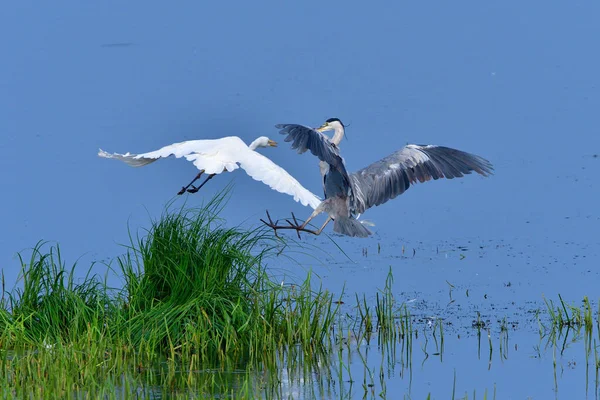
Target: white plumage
(215, 156)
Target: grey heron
(347, 196)
(214, 156)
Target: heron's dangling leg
(318, 232)
(314, 214)
(195, 189)
(183, 189)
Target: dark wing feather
(304, 138)
(393, 175)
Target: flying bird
(347, 196)
(214, 156)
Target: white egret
(349, 195)
(214, 156)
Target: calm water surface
(516, 83)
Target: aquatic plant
(51, 306)
(196, 296)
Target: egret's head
(262, 141)
(332, 124)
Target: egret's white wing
(205, 154)
(263, 169)
(218, 155)
(128, 158)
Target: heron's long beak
(322, 128)
(272, 143)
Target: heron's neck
(338, 135)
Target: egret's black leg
(183, 189)
(195, 189)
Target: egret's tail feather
(129, 159)
(350, 227)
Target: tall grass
(193, 281)
(196, 296)
(50, 306)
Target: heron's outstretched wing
(393, 175)
(304, 138)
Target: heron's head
(262, 141)
(332, 124)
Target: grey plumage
(304, 138)
(391, 176)
(350, 226)
(348, 195)
(336, 179)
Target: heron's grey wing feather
(393, 175)
(304, 138)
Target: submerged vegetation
(198, 314)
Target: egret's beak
(323, 127)
(272, 143)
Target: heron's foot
(182, 191)
(295, 225)
(270, 224)
(194, 189)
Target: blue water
(514, 82)
(457, 281)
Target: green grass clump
(191, 278)
(196, 298)
(50, 306)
